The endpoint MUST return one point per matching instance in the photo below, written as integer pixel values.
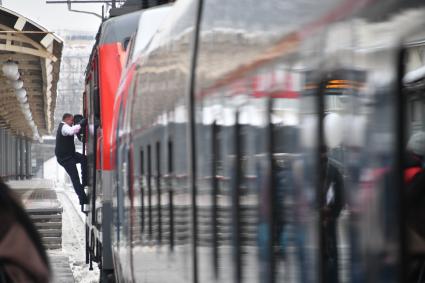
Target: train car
(264, 142)
(149, 21)
(102, 79)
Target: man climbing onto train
(66, 155)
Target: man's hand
(83, 122)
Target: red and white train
(209, 157)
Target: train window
(158, 190)
(170, 193)
(126, 42)
(95, 93)
(96, 102)
(148, 178)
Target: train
(254, 141)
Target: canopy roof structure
(30, 59)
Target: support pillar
(16, 145)
(28, 159)
(2, 153)
(21, 158)
(11, 157)
(7, 155)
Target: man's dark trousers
(70, 165)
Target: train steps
(49, 225)
(44, 209)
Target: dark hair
(66, 115)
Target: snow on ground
(73, 237)
(73, 224)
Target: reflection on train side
(276, 157)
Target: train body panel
(125, 201)
(109, 75)
(262, 144)
(102, 80)
(162, 129)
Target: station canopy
(29, 72)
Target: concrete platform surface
(41, 202)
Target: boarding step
(49, 225)
(62, 272)
(43, 218)
(42, 205)
(50, 232)
(45, 210)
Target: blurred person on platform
(414, 179)
(22, 255)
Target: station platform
(41, 202)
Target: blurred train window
(170, 193)
(148, 178)
(95, 92)
(158, 190)
(126, 42)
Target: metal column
(22, 155)
(16, 145)
(28, 160)
(7, 155)
(11, 156)
(1, 153)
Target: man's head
(416, 144)
(68, 119)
